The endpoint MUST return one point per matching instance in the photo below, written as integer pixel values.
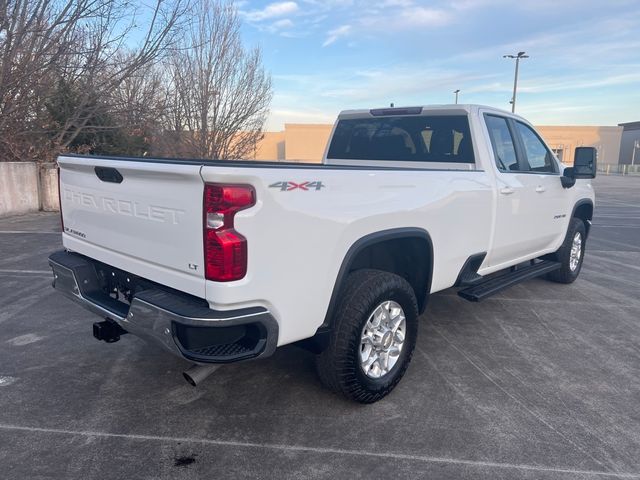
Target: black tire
(565, 274)
(339, 366)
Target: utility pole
(518, 56)
(456, 92)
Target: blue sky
(327, 56)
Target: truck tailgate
(141, 217)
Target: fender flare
(367, 241)
(579, 203)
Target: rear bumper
(180, 323)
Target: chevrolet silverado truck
(224, 261)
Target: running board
(494, 285)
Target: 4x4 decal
(287, 186)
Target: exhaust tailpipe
(196, 374)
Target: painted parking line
(28, 272)
(5, 381)
(614, 226)
(32, 294)
(21, 232)
(614, 203)
(319, 450)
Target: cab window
(538, 157)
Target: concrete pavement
(539, 382)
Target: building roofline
(630, 125)
(306, 125)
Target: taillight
(225, 250)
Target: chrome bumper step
(181, 323)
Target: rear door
(143, 217)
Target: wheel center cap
(387, 339)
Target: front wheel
(374, 334)
(570, 254)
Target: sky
(332, 55)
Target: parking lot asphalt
(539, 382)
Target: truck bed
(296, 237)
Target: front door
(543, 188)
(526, 194)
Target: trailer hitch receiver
(108, 330)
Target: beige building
(563, 139)
(298, 142)
(307, 142)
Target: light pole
(456, 92)
(515, 80)
(636, 145)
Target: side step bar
(491, 286)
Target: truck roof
(420, 110)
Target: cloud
(273, 10)
(396, 3)
(329, 4)
(360, 87)
(544, 85)
(280, 25)
(284, 23)
(530, 5)
(336, 33)
(317, 96)
(423, 16)
(406, 53)
(567, 48)
(406, 16)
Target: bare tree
(73, 78)
(139, 107)
(75, 45)
(219, 93)
(34, 37)
(102, 68)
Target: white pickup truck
(220, 261)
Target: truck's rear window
(437, 138)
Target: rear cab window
(419, 139)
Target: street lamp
(456, 92)
(518, 56)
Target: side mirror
(567, 179)
(584, 165)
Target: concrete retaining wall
(18, 188)
(28, 187)
(49, 199)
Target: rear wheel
(570, 254)
(374, 334)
